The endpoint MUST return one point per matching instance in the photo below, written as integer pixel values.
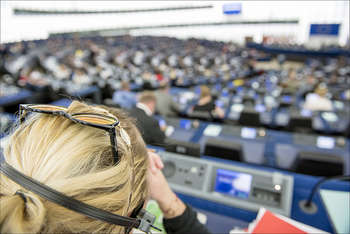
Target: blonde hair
(205, 91)
(321, 90)
(147, 96)
(76, 160)
(125, 85)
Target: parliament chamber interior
(252, 121)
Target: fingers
(158, 161)
(155, 158)
(152, 164)
(155, 162)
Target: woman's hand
(155, 162)
(220, 112)
(159, 189)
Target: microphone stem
(317, 185)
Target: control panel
(325, 142)
(243, 132)
(231, 185)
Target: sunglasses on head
(95, 120)
(139, 218)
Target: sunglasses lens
(48, 108)
(95, 119)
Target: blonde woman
(207, 104)
(80, 169)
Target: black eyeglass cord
(143, 222)
(63, 200)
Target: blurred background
(22, 20)
(277, 74)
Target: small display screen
(219, 103)
(233, 183)
(237, 107)
(330, 116)
(232, 8)
(287, 98)
(306, 113)
(197, 90)
(185, 124)
(260, 108)
(249, 133)
(182, 100)
(162, 122)
(325, 142)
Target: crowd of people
(69, 64)
(124, 66)
(75, 159)
(108, 62)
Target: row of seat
(306, 162)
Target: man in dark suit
(146, 123)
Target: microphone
(307, 205)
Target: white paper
(325, 142)
(249, 133)
(212, 130)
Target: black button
(188, 182)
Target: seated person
(318, 101)
(145, 121)
(292, 84)
(61, 174)
(166, 106)
(32, 79)
(206, 103)
(124, 97)
(81, 78)
(62, 72)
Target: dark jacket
(165, 104)
(148, 127)
(210, 106)
(187, 223)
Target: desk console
(230, 185)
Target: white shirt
(315, 102)
(144, 108)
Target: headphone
(144, 220)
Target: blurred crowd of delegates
(120, 66)
(142, 61)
